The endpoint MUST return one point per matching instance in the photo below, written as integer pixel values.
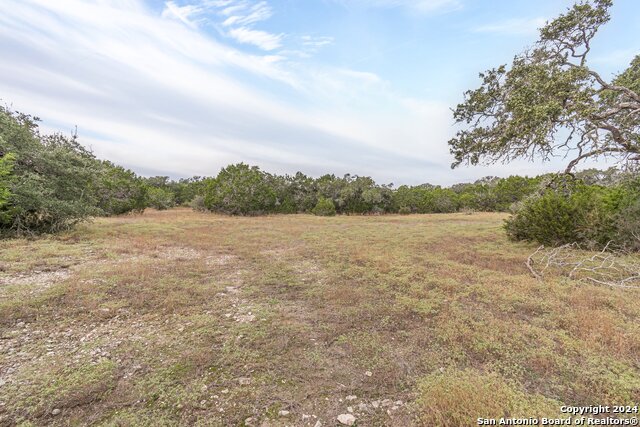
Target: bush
(46, 185)
(241, 190)
(119, 190)
(197, 204)
(574, 212)
(324, 207)
(160, 198)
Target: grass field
(182, 318)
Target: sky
(186, 87)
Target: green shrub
(324, 207)
(240, 190)
(197, 204)
(591, 215)
(47, 186)
(6, 169)
(119, 190)
(160, 198)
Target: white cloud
(256, 13)
(421, 6)
(185, 14)
(161, 97)
(316, 42)
(515, 26)
(261, 39)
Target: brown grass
(182, 318)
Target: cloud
(316, 41)
(184, 14)
(421, 6)
(159, 96)
(261, 39)
(256, 13)
(515, 26)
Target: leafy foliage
(241, 190)
(49, 181)
(119, 190)
(572, 211)
(324, 207)
(6, 168)
(549, 101)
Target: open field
(181, 318)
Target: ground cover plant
(177, 317)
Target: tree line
(49, 183)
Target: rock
(20, 325)
(387, 402)
(346, 419)
(283, 413)
(305, 417)
(368, 373)
(56, 411)
(399, 402)
(362, 407)
(375, 403)
(244, 381)
(250, 421)
(349, 409)
(351, 397)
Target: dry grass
(183, 318)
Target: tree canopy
(550, 102)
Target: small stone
(442, 370)
(362, 407)
(346, 419)
(20, 325)
(349, 409)
(225, 391)
(399, 402)
(368, 373)
(387, 402)
(305, 417)
(244, 381)
(375, 403)
(351, 397)
(284, 413)
(204, 388)
(249, 421)
(56, 411)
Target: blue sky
(185, 87)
